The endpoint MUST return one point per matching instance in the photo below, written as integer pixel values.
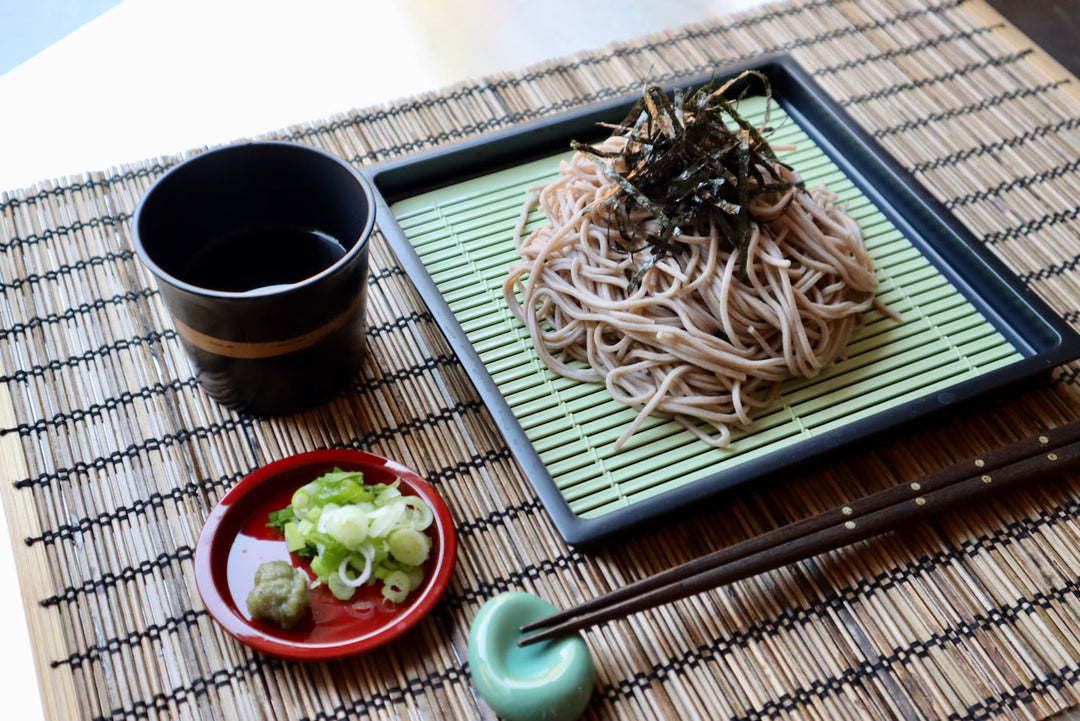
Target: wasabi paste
(280, 594)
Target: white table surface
(151, 78)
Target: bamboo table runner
(112, 457)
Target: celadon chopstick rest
(548, 681)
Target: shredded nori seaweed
(691, 162)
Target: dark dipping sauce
(262, 257)
(274, 355)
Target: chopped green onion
(300, 500)
(385, 519)
(347, 524)
(408, 546)
(357, 534)
(396, 587)
(294, 540)
(365, 574)
(420, 515)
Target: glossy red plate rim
(226, 520)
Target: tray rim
(960, 256)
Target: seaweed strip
(691, 161)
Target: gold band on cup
(262, 349)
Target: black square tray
(1035, 338)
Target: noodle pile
(706, 333)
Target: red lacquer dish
(236, 539)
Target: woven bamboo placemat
(112, 457)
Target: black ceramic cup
(260, 251)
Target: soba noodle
(707, 335)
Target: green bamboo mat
(112, 457)
(464, 233)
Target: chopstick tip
(531, 638)
(524, 641)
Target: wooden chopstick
(1053, 451)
